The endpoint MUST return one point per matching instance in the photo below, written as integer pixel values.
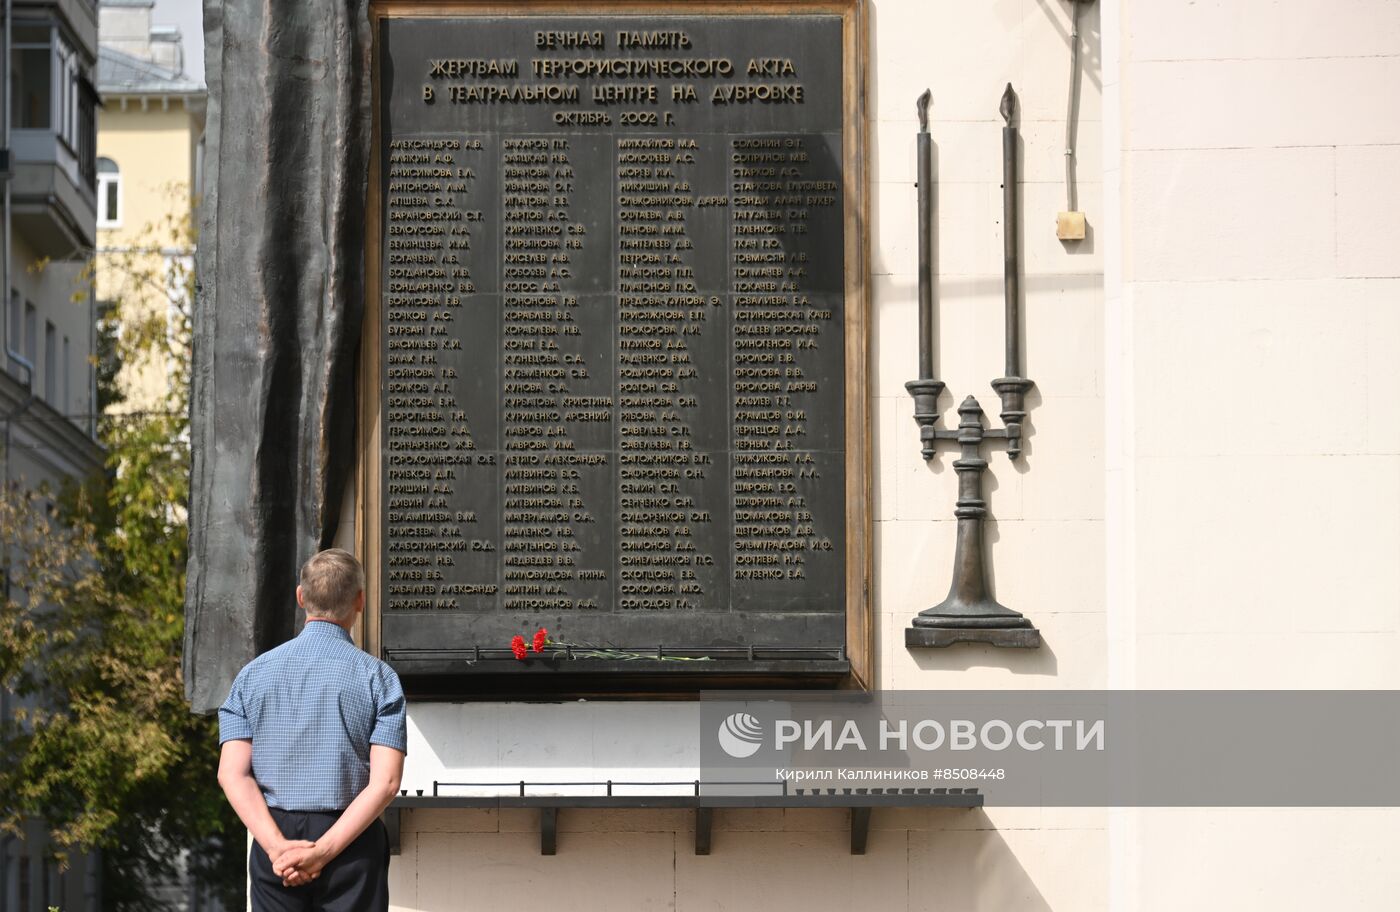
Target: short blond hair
(330, 580)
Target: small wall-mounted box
(1069, 226)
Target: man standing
(314, 737)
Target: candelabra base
(1013, 637)
(980, 620)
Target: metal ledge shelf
(493, 672)
(637, 679)
(860, 801)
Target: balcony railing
(54, 193)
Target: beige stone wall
(1047, 543)
(1046, 533)
(1257, 354)
(761, 859)
(1210, 495)
(1253, 343)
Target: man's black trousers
(356, 880)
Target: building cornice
(164, 100)
(48, 437)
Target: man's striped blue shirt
(312, 707)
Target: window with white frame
(109, 194)
(68, 71)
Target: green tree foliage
(107, 358)
(101, 744)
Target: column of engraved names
(670, 352)
(785, 283)
(430, 440)
(557, 396)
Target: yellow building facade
(150, 129)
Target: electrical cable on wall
(1069, 225)
(1069, 108)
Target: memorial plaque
(618, 345)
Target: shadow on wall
(1041, 661)
(970, 871)
(1090, 39)
(964, 656)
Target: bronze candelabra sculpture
(969, 614)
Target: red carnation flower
(517, 646)
(541, 636)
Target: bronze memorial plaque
(619, 346)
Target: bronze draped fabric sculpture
(277, 318)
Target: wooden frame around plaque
(859, 611)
